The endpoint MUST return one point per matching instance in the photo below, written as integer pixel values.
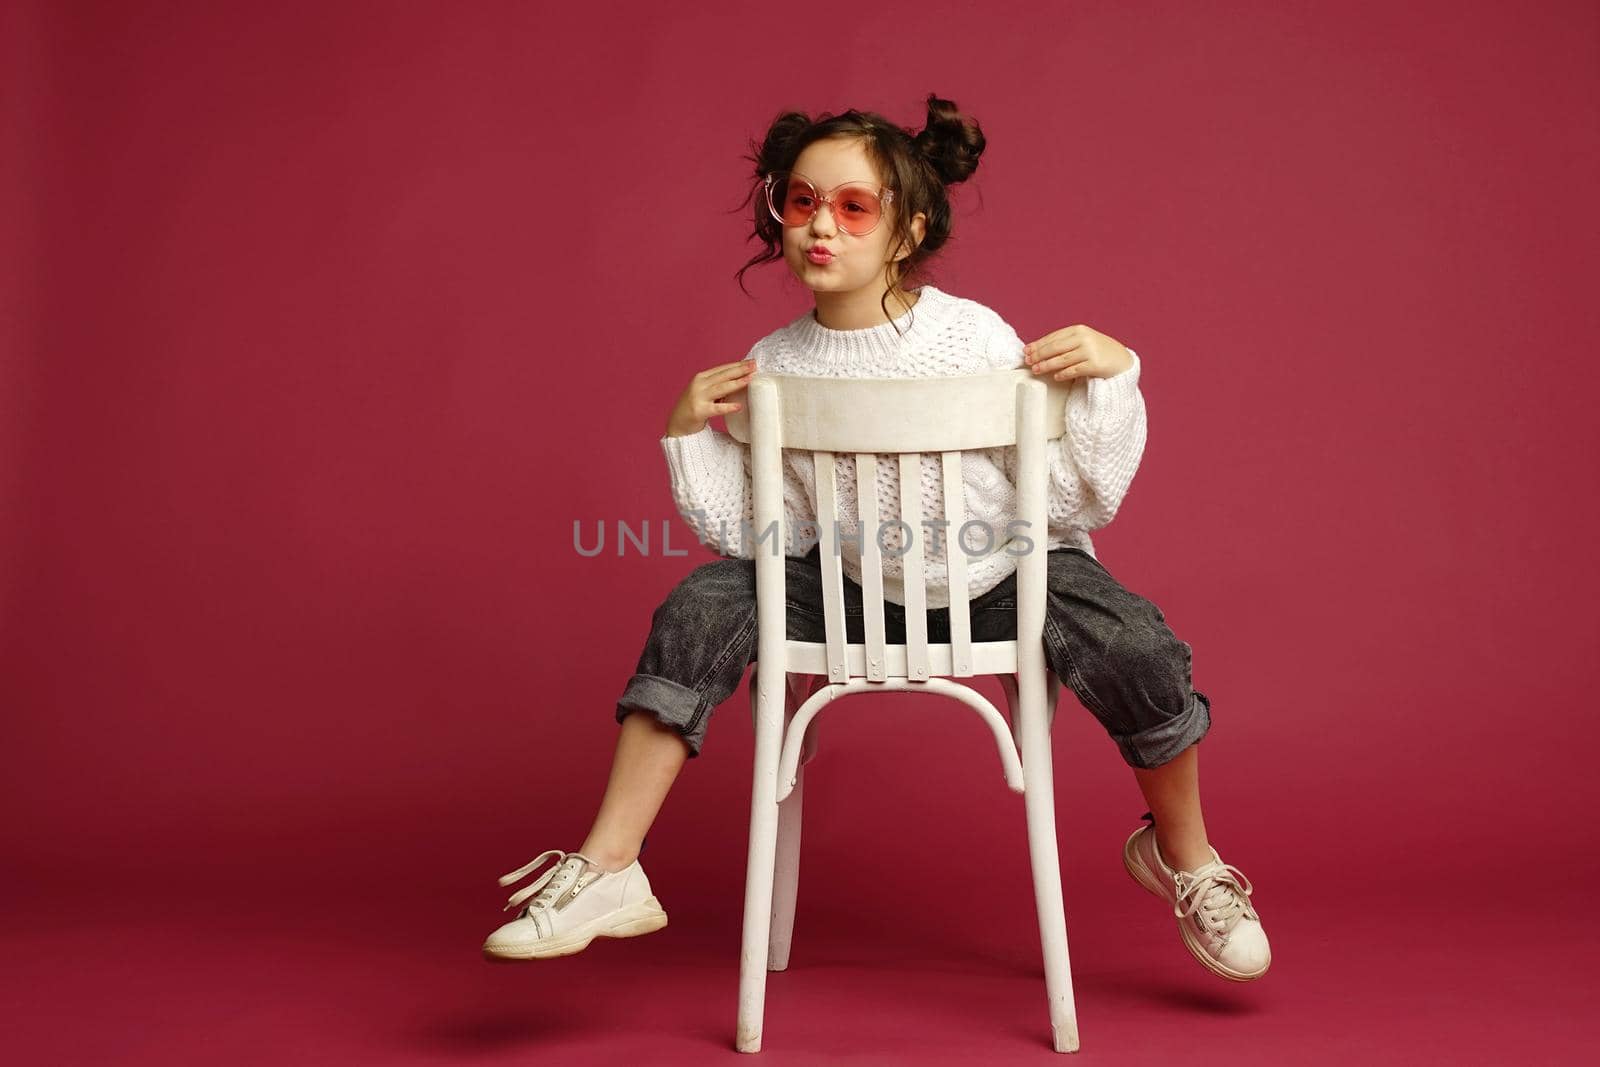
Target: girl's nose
(816, 219)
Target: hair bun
(951, 141)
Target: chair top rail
(902, 414)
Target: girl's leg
(649, 755)
(1134, 673)
(701, 640)
(1173, 792)
(1115, 650)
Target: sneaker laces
(544, 890)
(1215, 896)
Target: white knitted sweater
(1091, 466)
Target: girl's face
(859, 264)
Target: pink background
(324, 323)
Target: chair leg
(1038, 796)
(787, 876)
(1008, 683)
(769, 716)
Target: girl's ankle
(610, 862)
(1175, 855)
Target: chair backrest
(862, 417)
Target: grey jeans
(1112, 647)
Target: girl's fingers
(1050, 345)
(724, 370)
(723, 388)
(1056, 364)
(715, 382)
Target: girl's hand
(700, 400)
(1077, 352)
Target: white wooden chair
(794, 680)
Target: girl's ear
(919, 230)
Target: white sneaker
(573, 903)
(1219, 925)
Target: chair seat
(988, 657)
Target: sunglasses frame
(884, 194)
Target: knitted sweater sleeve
(711, 486)
(1093, 463)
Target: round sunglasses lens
(793, 200)
(856, 208)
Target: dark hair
(919, 167)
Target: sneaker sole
(1142, 875)
(644, 917)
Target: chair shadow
(474, 1032)
(1131, 987)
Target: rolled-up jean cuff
(674, 704)
(1161, 744)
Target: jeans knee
(1138, 685)
(1153, 658)
(711, 595)
(713, 589)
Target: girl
(855, 206)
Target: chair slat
(955, 513)
(832, 573)
(871, 565)
(912, 582)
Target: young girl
(855, 206)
